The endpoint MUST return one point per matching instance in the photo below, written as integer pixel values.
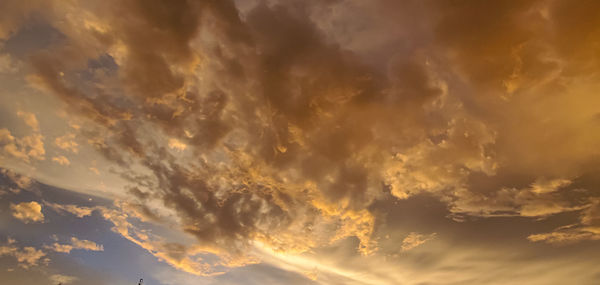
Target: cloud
(588, 227)
(548, 186)
(62, 279)
(79, 212)
(7, 64)
(565, 236)
(76, 244)
(24, 148)
(27, 147)
(17, 15)
(67, 142)
(296, 119)
(19, 180)
(415, 239)
(177, 145)
(62, 160)
(26, 256)
(27, 212)
(324, 119)
(542, 198)
(180, 256)
(30, 120)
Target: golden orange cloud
(288, 125)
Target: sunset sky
(356, 142)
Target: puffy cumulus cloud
(76, 244)
(294, 120)
(413, 240)
(26, 256)
(27, 212)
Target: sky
(413, 142)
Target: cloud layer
(282, 125)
